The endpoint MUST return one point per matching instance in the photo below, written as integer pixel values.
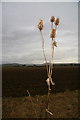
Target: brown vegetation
(62, 105)
(17, 104)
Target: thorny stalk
(50, 67)
(44, 50)
(50, 73)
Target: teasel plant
(49, 67)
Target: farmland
(63, 99)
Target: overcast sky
(21, 42)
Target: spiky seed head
(40, 25)
(52, 19)
(53, 33)
(57, 21)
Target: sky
(40, 0)
(21, 40)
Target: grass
(62, 105)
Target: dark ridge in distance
(23, 65)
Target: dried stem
(43, 50)
(50, 73)
(50, 67)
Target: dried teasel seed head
(53, 33)
(57, 21)
(52, 19)
(40, 25)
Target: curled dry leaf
(55, 43)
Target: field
(63, 99)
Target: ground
(62, 105)
(63, 100)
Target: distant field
(63, 99)
(16, 80)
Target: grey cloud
(30, 58)
(21, 38)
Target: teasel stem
(52, 55)
(52, 52)
(48, 69)
(49, 75)
(43, 50)
(47, 105)
(52, 47)
(52, 25)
